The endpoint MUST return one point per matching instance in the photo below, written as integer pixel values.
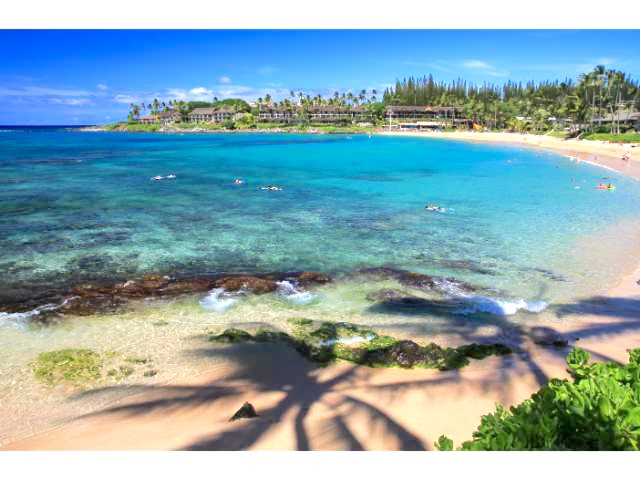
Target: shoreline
(594, 152)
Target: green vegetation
(583, 105)
(81, 367)
(77, 366)
(330, 341)
(615, 138)
(598, 410)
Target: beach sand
(344, 406)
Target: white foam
(218, 300)
(20, 319)
(294, 294)
(500, 306)
(346, 341)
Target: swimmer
(238, 181)
(435, 208)
(274, 188)
(171, 175)
(157, 177)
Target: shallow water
(77, 206)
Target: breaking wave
(218, 300)
(294, 294)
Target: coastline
(343, 406)
(600, 153)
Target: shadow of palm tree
(265, 368)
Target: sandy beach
(348, 407)
(605, 154)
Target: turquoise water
(77, 206)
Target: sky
(78, 77)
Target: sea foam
(294, 294)
(218, 300)
(499, 306)
(20, 319)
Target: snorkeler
(238, 181)
(274, 188)
(435, 208)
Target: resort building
(421, 112)
(210, 114)
(167, 117)
(627, 118)
(425, 116)
(329, 114)
(277, 114)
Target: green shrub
(598, 410)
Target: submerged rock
(420, 280)
(246, 411)
(246, 283)
(93, 304)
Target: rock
(406, 353)
(548, 337)
(232, 335)
(385, 295)
(420, 280)
(244, 282)
(311, 278)
(246, 411)
(92, 304)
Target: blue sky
(85, 77)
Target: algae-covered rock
(332, 341)
(77, 366)
(232, 335)
(81, 367)
(246, 411)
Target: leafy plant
(598, 410)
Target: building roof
(419, 108)
(328, 109)
(620, 116)
(202, 111)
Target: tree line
(596, 98)
(596, 101)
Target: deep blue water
(77, 205)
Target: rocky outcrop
(420, 280)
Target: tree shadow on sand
(301, 385)
(257, 367)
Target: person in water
(238, 181)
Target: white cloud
(224, 79)
(71, 101)
(126, 99)
(484, 67)
(477, 64)
(102, 86)
(42, 92)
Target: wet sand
(605, 154)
